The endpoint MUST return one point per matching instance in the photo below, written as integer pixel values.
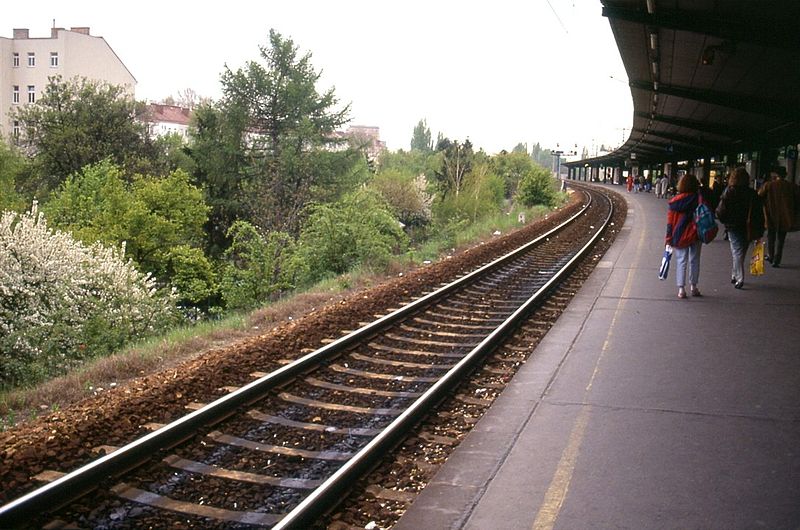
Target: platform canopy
(707, 77)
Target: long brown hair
(688, 184)
(739, 177)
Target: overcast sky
(497, 72)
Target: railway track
(285, 448)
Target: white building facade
(165, 119)
(27, 63)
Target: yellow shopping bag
(757, 259)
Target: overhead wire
(558, 17)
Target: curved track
(295, 440)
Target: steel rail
(79, 482)
(333, 490)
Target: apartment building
(367, 137)
(27, 62)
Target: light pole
(557, 162)
(557, 152)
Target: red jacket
(681, 230)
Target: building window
(15, 59)
(16, 129)
(53, 59)
(31, 59)
(15, 95)
(31, 94)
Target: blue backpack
(705, 222)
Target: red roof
(169, 114)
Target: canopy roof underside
(707, 77)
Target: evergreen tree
(421, 139)
(290, 127)
(520, 148)
(218, 136)
(543, 157)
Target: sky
(498, 72)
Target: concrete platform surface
(640, 410)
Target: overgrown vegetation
(63, 302)
(264, 199)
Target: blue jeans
(739, 244)
(687, 257)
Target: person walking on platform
(682, 234)
(741, 212)
(664, 183)
(779, 205)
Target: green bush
(13, 169)
(537, 186)
(358, 230)
(257, 267)
(481, 196)
(192, 276)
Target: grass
(186, 342)
(461, 236)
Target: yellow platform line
(559, 485)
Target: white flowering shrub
(62, 302)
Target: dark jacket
(681, 230)
(741, 211)
(778, 196)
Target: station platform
(641, 410)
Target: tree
(512, 167)
(166, 212)
(409, 163)
(520, 148)
(78, 123)
(13, 169)
(537, 187)
(190, 99)
(152, 216)
(170, 154)
(543, 157)
(289, 124)
(481, 195)
(485, 190)
(257, 267)
(456, 161)
(406, 195)
(217, 150)
(421, 138)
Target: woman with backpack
(742, 213)
(682, 234)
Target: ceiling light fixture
(709, 52)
